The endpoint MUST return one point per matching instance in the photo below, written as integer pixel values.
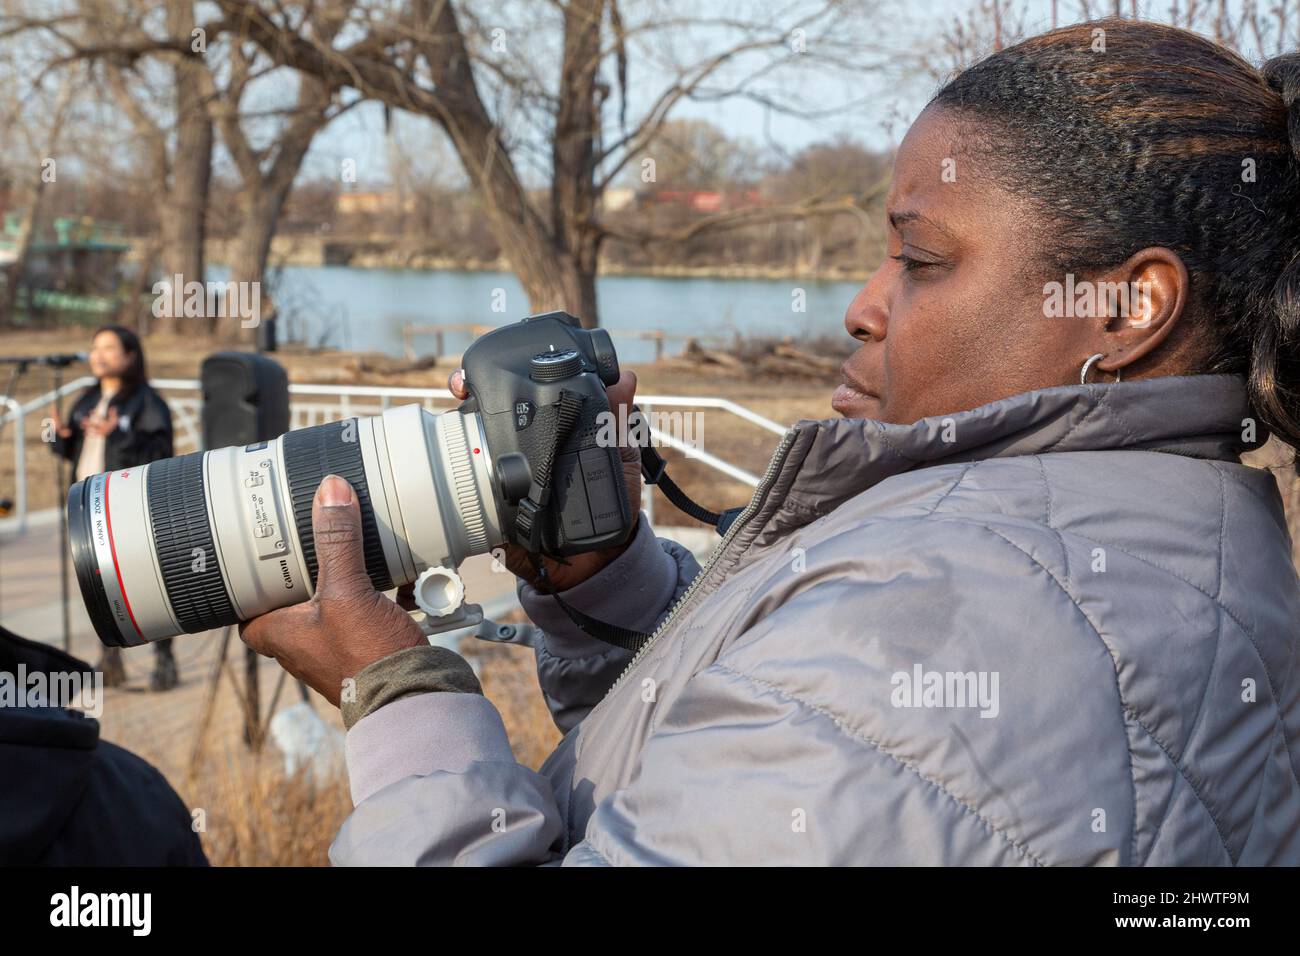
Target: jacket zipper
(760, 492)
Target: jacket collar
(1202, 416)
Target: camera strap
(655, 472)
(567, 412)
(623, 637)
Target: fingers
(622, 392)
(336, 527)
(272, 635)
(292, 637)
(456, 384)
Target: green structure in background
(74, 268)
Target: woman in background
(119, 422)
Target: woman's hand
(347, 625)
(60, 428)
(101, 425)
(577, 568)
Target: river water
(366, 308)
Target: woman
(119, 422)
(991, 616)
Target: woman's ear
(1146, 298)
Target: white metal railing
(185, 400)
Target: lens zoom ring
(309, 455)
(183, 538)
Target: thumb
(336, 528)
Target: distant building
(701, 200)
(616, 199)
(360, 203)
(77, 254)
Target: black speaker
(245, 399)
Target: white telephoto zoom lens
(209, 539)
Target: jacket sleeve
(432, 775)
(636, 591)
(66, 448)
(70, 448)
(434, 783)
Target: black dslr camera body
(539, 388)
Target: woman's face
(954, 317)
(108, 359)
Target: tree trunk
(263, 192)
(184, 217)
(524, 239)
(129, 313)
(260, 213)
(554, 261)
(579, 277)
(574, 196)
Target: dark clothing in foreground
(68, 798)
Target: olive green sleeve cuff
(413, 670)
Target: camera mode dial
(554, 366)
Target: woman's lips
(851, 400)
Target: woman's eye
(912, 265)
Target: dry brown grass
(255, 815)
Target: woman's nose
(865, 317)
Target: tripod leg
(209, 703)
(252, 709)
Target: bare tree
(167, 76)
(171, 126)
(267, 170)
(1254, 28)
(34, 191)
(501, 108)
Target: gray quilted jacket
(1057, 629)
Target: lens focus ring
(468, 505)
(182, 536)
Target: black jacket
(143, 433)
(68, 798)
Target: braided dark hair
(1128, 134)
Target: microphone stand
(19, 367)
(62, 468)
